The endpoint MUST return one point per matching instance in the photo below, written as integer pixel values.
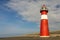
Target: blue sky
(19, 17)
(11, 23)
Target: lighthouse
(44, 30)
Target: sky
(18, 17)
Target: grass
(30, 37)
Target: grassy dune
(54, 36)
(31, 38)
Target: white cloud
(30, 10)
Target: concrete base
(44, 36)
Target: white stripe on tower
(44, 17)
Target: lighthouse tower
(44, 31)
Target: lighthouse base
(44, 36)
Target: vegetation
(55, 32)
(33, 37)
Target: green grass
(33, 37)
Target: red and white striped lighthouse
(44, 30)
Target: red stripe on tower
(44, 30)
